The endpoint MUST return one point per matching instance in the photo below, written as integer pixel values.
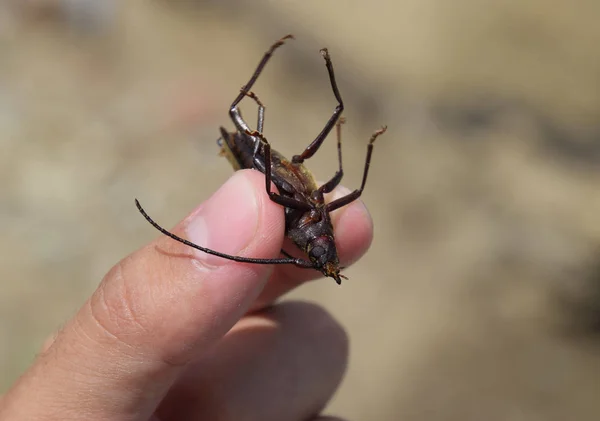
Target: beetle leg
(261, 110)
(343, 201)
(335, 180)
(233, 109)
(316, 144)
(285, 201)
(286, 254)
(238, 120)
(259, 123)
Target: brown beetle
(307, 220)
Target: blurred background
(480, 298)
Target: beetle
(307, 216)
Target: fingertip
(184, 297)
(236, 220)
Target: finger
(281, 364)
(154, 311)
(48, 343)
(353, 228)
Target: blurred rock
(90, 17)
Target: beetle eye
(317, 251)
(220, 142)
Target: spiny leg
(261, 110)
(285, 201)
(335, 180)
(316, 144)
(343, 201)
(261, 119)
(235, 116)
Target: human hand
(174, 334)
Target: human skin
(174, 334)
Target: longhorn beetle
(307, 220)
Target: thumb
(155, 311)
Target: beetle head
(323, 255)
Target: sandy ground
(480, 298)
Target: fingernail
(226, 222)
